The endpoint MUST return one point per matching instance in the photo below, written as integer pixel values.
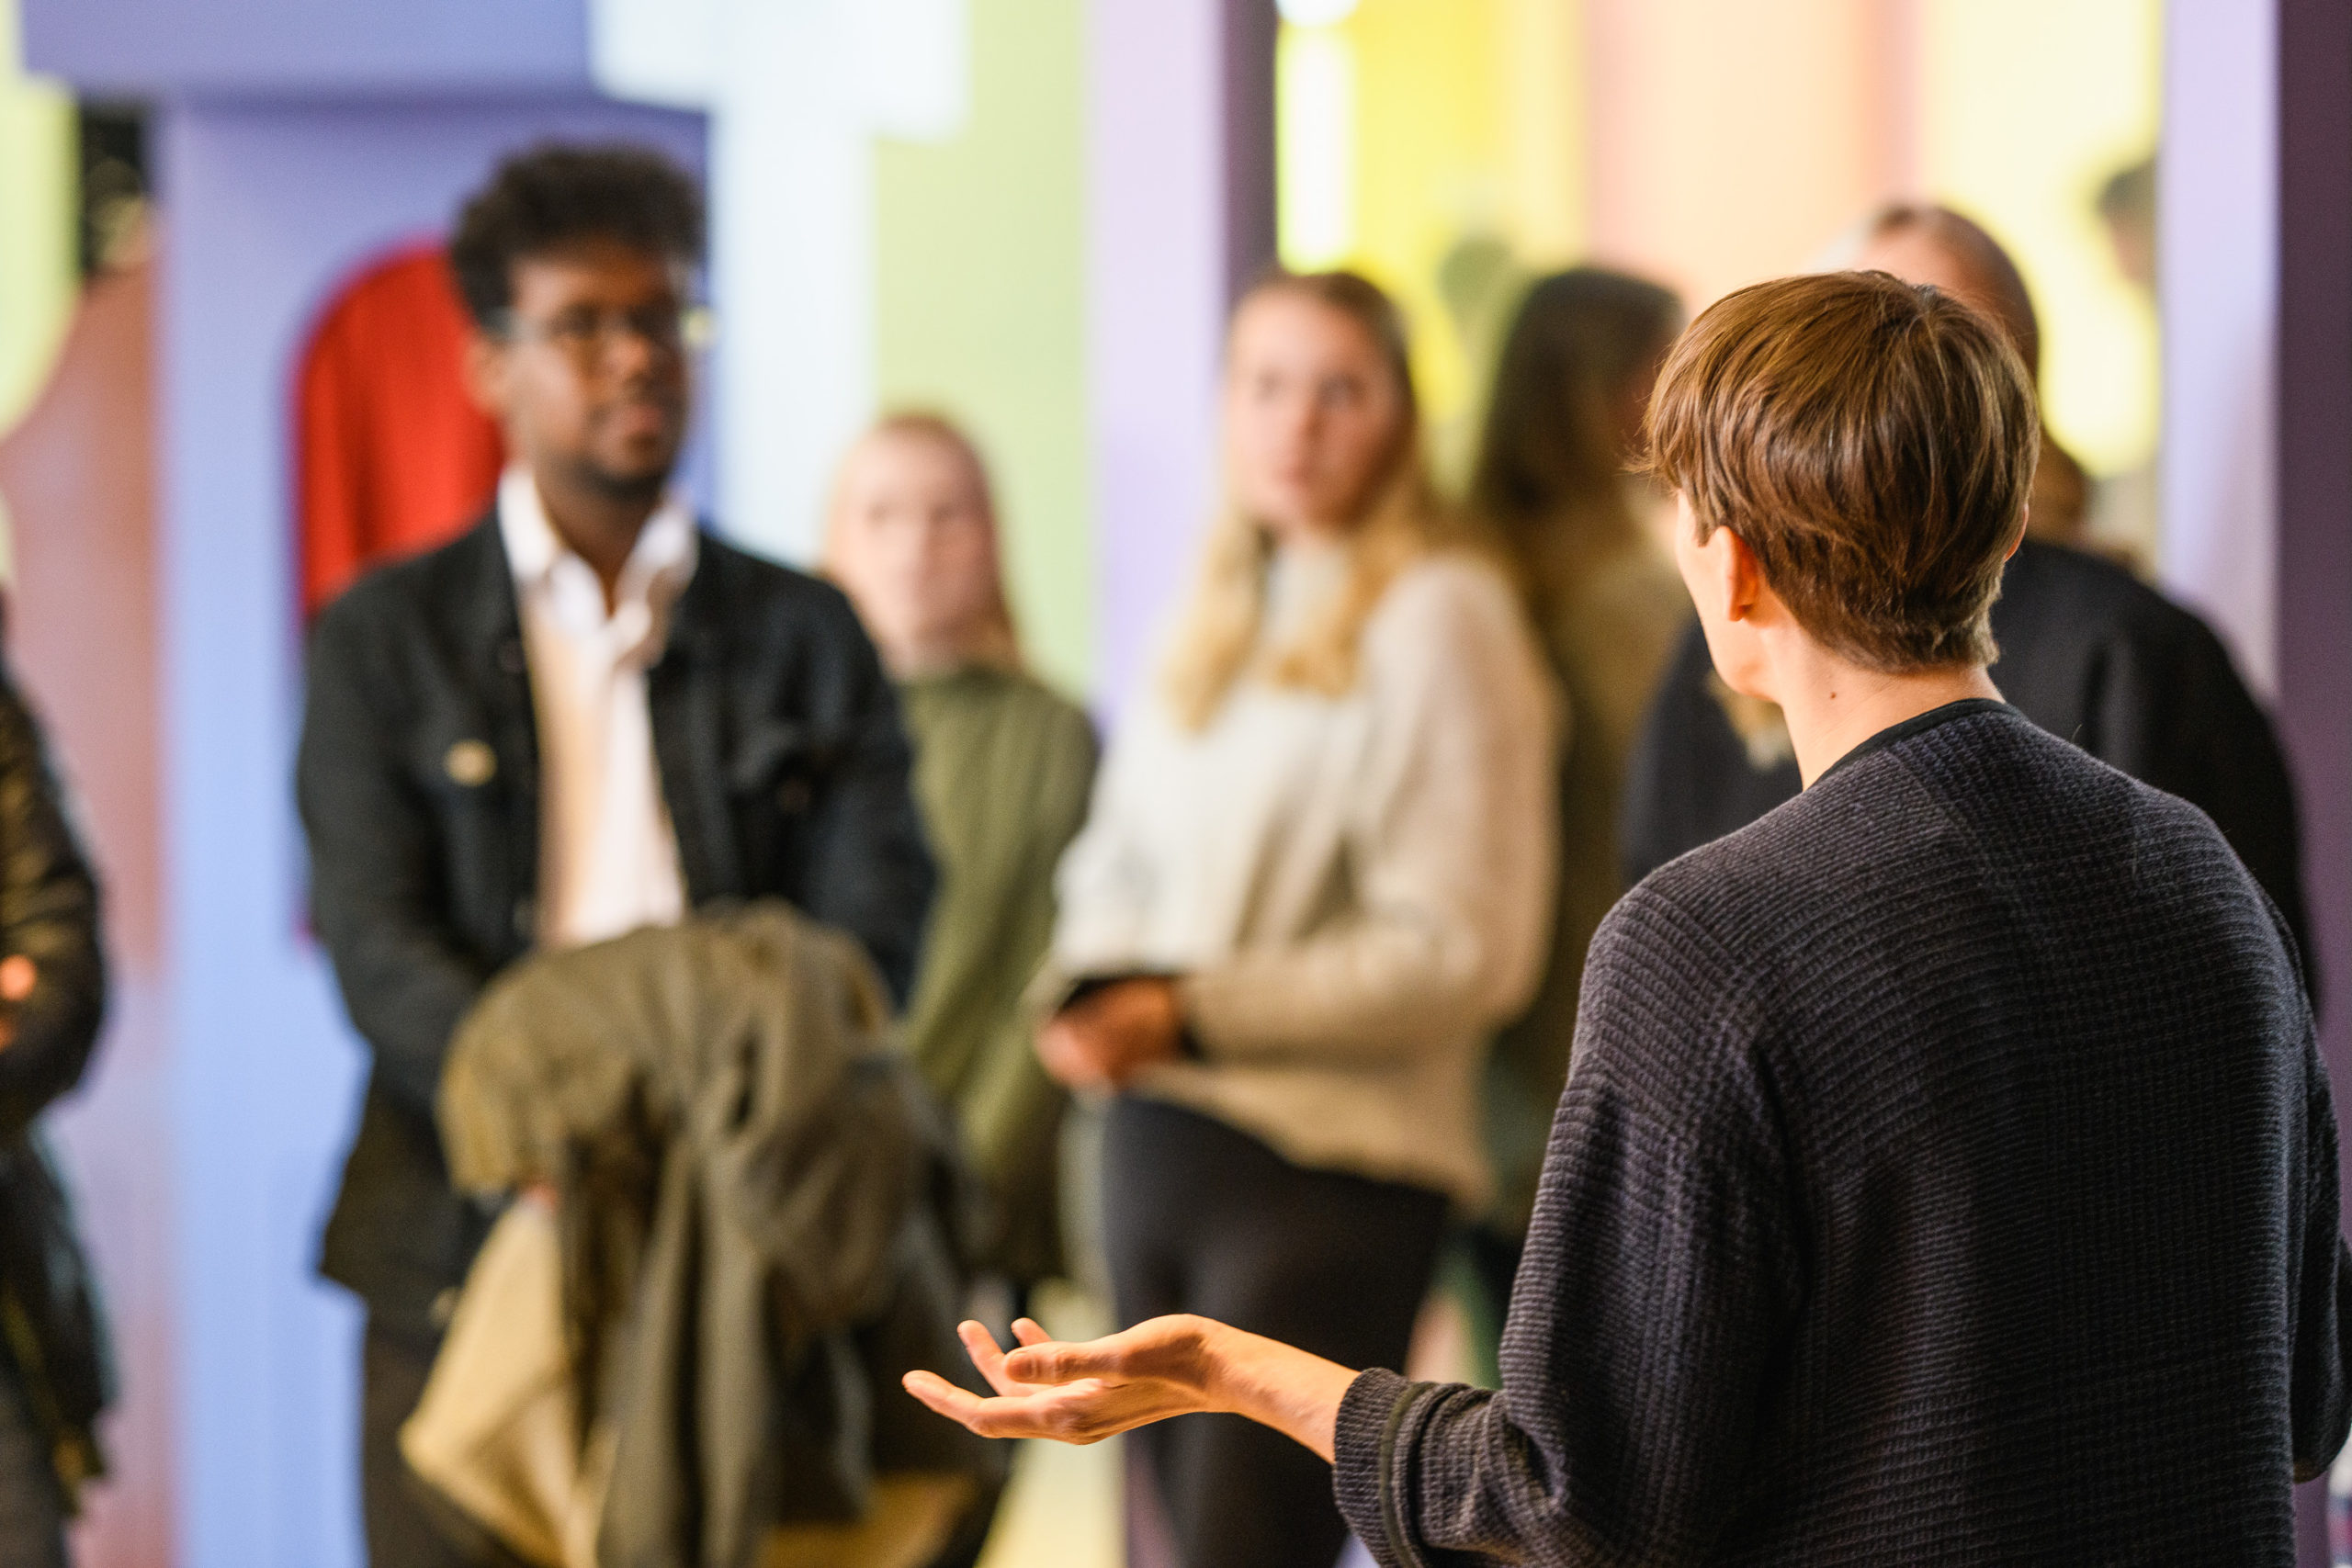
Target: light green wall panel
(38, 274)
(980, 304)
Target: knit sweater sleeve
(1452, 844)
(1657, 1281)
(2320, 1400)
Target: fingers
(1027, 1331)
(1068, 1415)
(1164, 1347)
(960, 1406)
(1041, 1363)
(981, 1346)
(1062, 1051)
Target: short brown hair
(1873, 445)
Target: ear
(486, 372)
(2025, 526)
(1744, 587)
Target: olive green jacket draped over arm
(1002, 771)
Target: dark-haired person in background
(1561, 430)
(585, 715)
(1948, 1175)
(2088, 652)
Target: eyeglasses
(587, 334)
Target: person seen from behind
(1948, 1174)
(1314, 877)
(2088, 652)
(1002, 768)
(1561, 430)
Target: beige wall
(1731, 141)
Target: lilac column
(1180, 197)
(2256, 246)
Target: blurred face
(1916, 256)
(913, 546)
(588, 375)
(1634, 400)
(1311, 413)
(2133, 238)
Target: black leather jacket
(50, 1325)
(777, 740)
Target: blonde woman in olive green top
(1003, 768)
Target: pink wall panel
(78, 474)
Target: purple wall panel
(2315, 477)
(1246, 122)
(266, 208)
(2218, 217)
(1155, 294)
(2314, 458)
(225, 46)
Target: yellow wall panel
(2027, 106)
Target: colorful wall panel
(981, 308)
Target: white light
(1316, 143)
(1316, 13)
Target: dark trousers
(1199, 1217)
(32, 1512)
(400, 1533)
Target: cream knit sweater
(1357, 891)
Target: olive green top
(1002, 771)
(1609, 615)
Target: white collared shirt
(608, 855)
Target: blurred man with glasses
(585, 715)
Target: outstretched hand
(1168, 1365)
(1076, 1393)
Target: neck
(911, 658)
(1834, 706)
(598, 522)
(1305, 535)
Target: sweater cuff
(1364, 1464)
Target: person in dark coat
(56, 1369)
(585, 715)
(1948, 1173)
(2088, 652)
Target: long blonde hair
(1217, 636)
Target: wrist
(1295, 1391)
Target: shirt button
(526, 919)
(444, 1307)
(470, 763)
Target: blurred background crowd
(982, 332)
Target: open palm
(1076, 1393)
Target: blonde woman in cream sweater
(1316, 876)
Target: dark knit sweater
(1947, 1175)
